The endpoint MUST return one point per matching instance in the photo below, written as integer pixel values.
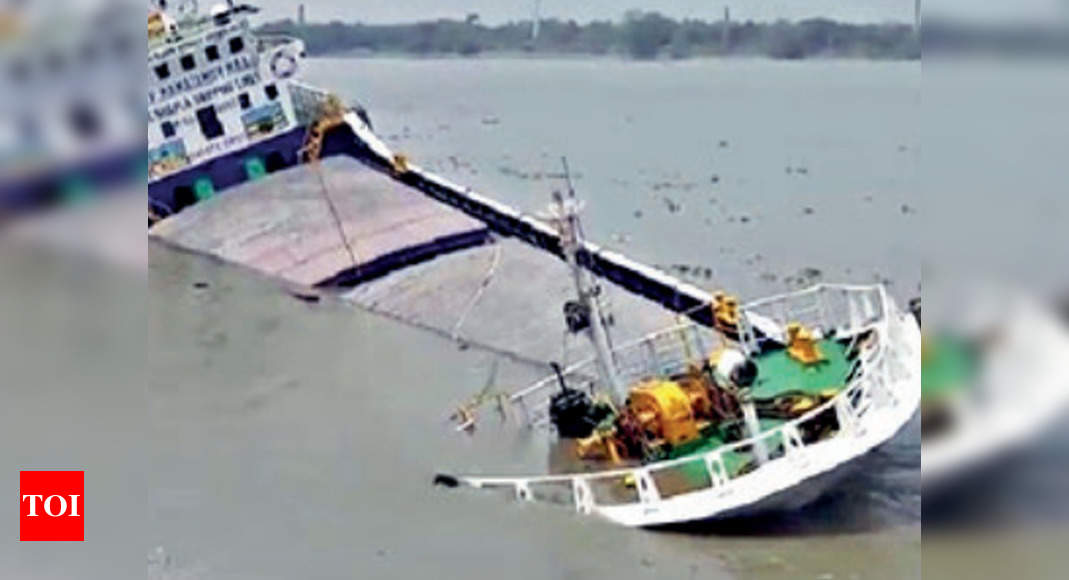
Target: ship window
(188, 63)
(212, 52)
(237, 44)
(275, 162)
(271, 91)
(210, 126)
(167, 128)
(183, 197)
(163, 71)
(245, 101)
(84, 121)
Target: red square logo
(51, 506)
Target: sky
(497, 11)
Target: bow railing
(721, 467)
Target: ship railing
(309, 103)
(790, 443)
(839, 310)
(664, 353)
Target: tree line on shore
(639, 35)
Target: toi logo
(51, 506)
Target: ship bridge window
(271, 91)
(245, 101)
(188, 62)
(212, 52)
(167, 128)
(162, 71)
(85, 121)
(209, 123)
(237, 44)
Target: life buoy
(283, 65)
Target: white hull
(870, 411)
(1022, 393)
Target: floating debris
(907, 209)
(672, 205)
(688, 270)
(491, 120)
(669, 185)
(804, 277)
(638, 214)
(200, 285)
(308, 297)
(446, 480)
(714, 179)
(807, 210)
(723, 144)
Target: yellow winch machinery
(663, 413)
(666, 410)
(659, 411)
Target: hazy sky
(495, 11)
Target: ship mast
(566, 214)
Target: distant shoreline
(640, 36)
(567, 56)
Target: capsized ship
(746, 408)
(764, 411)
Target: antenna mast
(567, 217)
(536, 21)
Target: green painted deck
(778, 373)
(734, 461)
(948, 365)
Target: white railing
(845, 310)
(653, 483)
(309, 103)
(719, 468)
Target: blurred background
(996, 376)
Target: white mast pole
(571, 241)
(536, 21)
